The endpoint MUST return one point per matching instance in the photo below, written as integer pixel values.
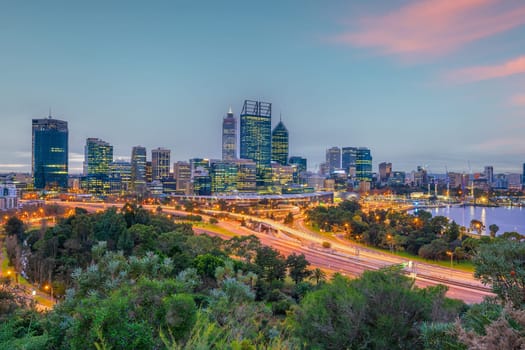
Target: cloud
(434, 27)
(518, 100)
(12, 166)
(501, 145)
(477, 73)
(76, 157)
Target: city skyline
(339, 75)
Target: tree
(452, 232)
(503, 332)
(318, 275)
(331, 317)
(288, 220)
(476, 225)
(502, 266)
(493, 230)
(15, 227)
(206, 264)
(271, 264)
(298, 267)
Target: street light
(451, 254)
(49, 288)
(389, 239)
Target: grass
(214, 228)
(463, 265)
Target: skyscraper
(385, 170)
(138, 169)
(489, 174)
(98, 155)
(300, 166)
(160, 163)
(229, 137)
(120, 176)
(364, 165)
(182, 174)
(256, 137)
(523, 176)
(333, 158)
(300, 162)
(348, 159)
(223, 176)
(280, 144)
(49, 162)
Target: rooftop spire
(230, 110)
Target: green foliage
(502, 265)
(15, 227)
(298, 267)
(180, 314)
(332, 317)
(400, 231)
(206, 265)
(436, 250)
(380, 310)
(480, 316)
(318, 275)
(440, 336)
(493, 230)
(271, 266)
(288, 219)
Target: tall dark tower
(98, 155)
(280, 144)
(256, 137)
(138, 169)
(229, 137)
(364, 164)
(49, 163)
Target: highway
(343, 257)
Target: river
(507, 218)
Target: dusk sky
(432, 82)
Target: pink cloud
(518, 100)
(476, 73)
(434, 27)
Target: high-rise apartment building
(160, 163)
(280, 144)
(364, 165)
(138, 169)
(49, 161)
(229, 137)
(256, 137)
(98, 155)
